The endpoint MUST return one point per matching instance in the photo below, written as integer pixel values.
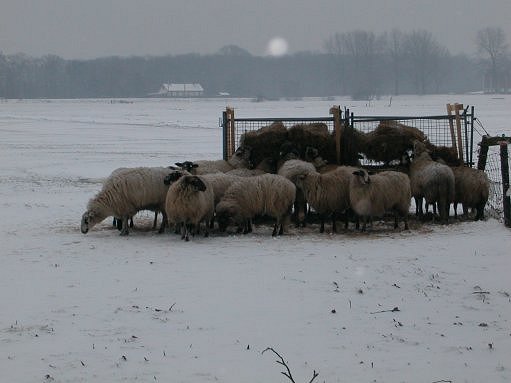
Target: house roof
(182, 87)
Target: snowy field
(427, 305)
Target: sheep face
(228, 216)
(288, 151)
(419, 148)
(362, 176)
(187, 165)
(89, 220)
(172, 177)
(242, 156)
(195, 183)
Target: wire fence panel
(243, 125)
(438, 129)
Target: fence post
(450, 108)
(504, 166)
(457, 108)
(224, 134)
(230, 142)
(335, 111)
(483, 153)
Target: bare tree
(492, 42)
(359, 51)
(423, 54)
(396, 48)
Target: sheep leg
(164, 222)
(131, 222)
(275, 227)
(334, 225)
(480, 211)
(364, 223)
(182, 229)
(418, 206)
(117, 223)
(155, 221)
(322, 225)
(125, 230)
(248, 226)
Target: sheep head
(89, 219)
(362, 176)
(172, 177)
(241, 157)
(195, 183)
(227, 214)
(187, 165)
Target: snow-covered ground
(152, 308)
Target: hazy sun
(277, 46)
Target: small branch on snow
(442, 381)
(387, 311)
(283, 363)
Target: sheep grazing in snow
(374, 195)
(190, 201)
(472, 189)
(125, 192)
(327, 193)
(240, 159)
(268, 194)
(432, 181)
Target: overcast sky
(98, 28)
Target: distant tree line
(359, 63)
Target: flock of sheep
(279, 172)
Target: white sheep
(291, 169)
(240, 159)
(328, 193)
(190, 201)
(125, 192)
(472, 189)
(432, 181)
(374, 195)
(267, 194)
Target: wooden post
(456, 137)
(483, 153)
(231, 137)
(457, 109)
(504, 166)
(335, 111)
(224, 134)
(450, 108)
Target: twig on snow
(283, 363)
(387, 311)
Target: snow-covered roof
(182, 87)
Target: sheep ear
(195, 165)
(358, 173)
(180, 164)
(371, 173)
